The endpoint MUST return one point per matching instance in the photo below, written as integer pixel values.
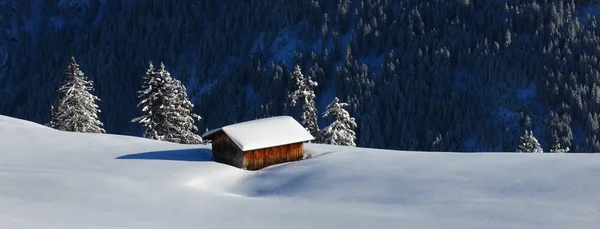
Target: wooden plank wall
(260, 158)
(226, 151)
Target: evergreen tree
(529, 144)
(525, 121)
(167, 110)
(556, 148)
(305, 90)
(180, 117)
(76, 109)
(559, 131)
(341, 131)
(592, 145)
(151, 97)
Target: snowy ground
(51, 179)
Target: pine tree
(341, 131)
(152, 98)
(305, 90)
(299, 82)
(76, 109)
(556, 148)
(167, 110)
(180, 116)
(529, 144)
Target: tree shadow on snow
(173, 155)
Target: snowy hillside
(52, 179)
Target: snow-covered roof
(264, 133)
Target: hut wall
(260, 158)
(226, 151)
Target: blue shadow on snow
(173, 155)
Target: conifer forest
(427, 75)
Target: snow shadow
(173, 155)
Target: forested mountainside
(453, 75)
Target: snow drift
(53, 179)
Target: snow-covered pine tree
(341, 131)
(167, 110)
(557, 148)
(76, 109)
(182, 128)
(305, 89)
(151, 96)
(529, 144)
(298, 79)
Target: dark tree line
(417, 74)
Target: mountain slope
(419, 74)
(62, 180)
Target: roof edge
(253, 148)
(211, 133)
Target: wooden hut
(259, 143)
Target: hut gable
(257, 144)
(264, 133)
